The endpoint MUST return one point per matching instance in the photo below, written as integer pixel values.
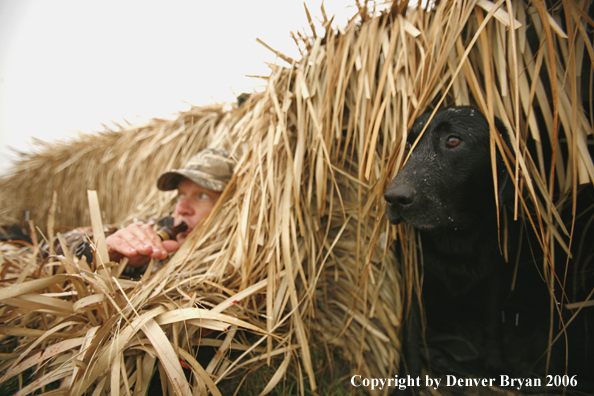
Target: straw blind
(297, 252)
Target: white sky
(71, 65)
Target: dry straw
(296, 253)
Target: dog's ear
(506, 189)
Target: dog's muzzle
(399, 197)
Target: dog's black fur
(475, 323)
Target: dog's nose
(401, 195)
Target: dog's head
(447, 182)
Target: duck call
(167, 233)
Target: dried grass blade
(47, 379)
(147, 369)
(103, 358)
(167, 357)
(199, 370)
(79, 360)
(278, 375)
(244, 294)
(31, 286)
(98, 235)
(501, 15)
(27, 332)
(114, 378)
(36, 302)
(42, 356)
(87, 301)
(38, 341)
(198, 313)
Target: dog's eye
(453, 141)
(407, 146)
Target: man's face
(194, 202)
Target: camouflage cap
(210, 168)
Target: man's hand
(139, 243)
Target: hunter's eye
(453, 141)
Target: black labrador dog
(476, 323)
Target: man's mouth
(185, 233)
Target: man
(199, 184)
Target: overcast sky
(70, 65)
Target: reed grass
(297, 251)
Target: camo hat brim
(211, 168)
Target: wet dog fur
(475, 323)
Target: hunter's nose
(401, 195)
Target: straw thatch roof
(297, 251)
